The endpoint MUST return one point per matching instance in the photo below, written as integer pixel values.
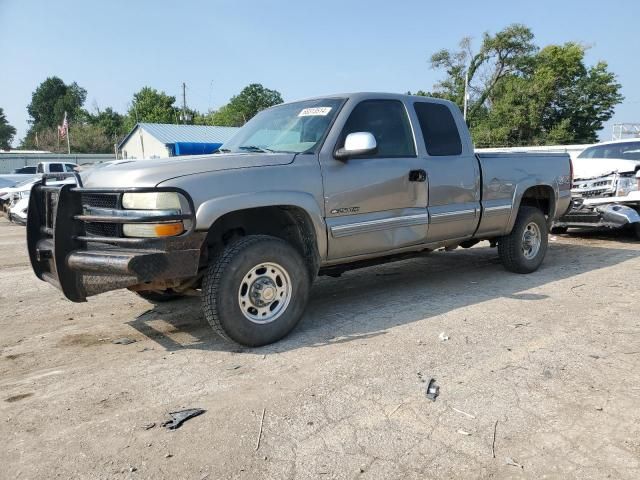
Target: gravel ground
(552, 357)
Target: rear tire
(255, 291)
(524, 249)
(159, 296)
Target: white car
(606, 187)
(18, 212)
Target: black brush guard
(80, 265)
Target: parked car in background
(319, 186)
(18, 211)
(606, 188)
(25, 170)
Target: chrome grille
(101, 200)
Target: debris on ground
(512, 462)
(149, 426)
(493, 443)
(260, 432)
(123, 341)
(178, 418)
(432, 389)
(443, 337)
(464, 432)
(463, 413)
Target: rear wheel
(524, 249)
(256, 290)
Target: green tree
(110, 121)
(150, 105)
(7, 132)
(520, 94)
(51, 99)
(83, 138)
(242, 107)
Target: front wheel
(524, 249)
(255, 291)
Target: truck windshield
(293, 128)
(622, 151)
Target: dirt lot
(553, 357)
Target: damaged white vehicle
(606, 188)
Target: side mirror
(357, 143)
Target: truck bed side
(512, 179)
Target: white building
(159, 140)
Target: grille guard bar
(61, 252)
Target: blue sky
(301, 48)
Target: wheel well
(289, 223)
(542, 197)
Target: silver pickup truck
(313, 187)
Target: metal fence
(10, 161)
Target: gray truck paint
(362, 208)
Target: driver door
(376, 202)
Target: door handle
(417, 175)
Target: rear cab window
(55, 168)
(388, 122)
(439, 129)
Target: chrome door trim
(357, 228)
(497, 210)
(453, 216)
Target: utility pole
(184, 104)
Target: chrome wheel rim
(264, 293)
(531, 240)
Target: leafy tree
(520, 94)
(83, 138)
(110, 121)
(7, 132)
(51, 99)
(150, 105)
(242, 107)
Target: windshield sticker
(315, 112)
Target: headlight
(151, 201)
(626, 185)
(166, 203)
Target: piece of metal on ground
(432, 389)
(178, 418)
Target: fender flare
(519, 192)
(211, 210)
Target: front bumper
(82, 264)
(600, 214)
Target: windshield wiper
(254, 148)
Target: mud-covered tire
(515, 249)
(559, 230)
(157, 296)
(226, 279)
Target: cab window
(388, 122)
(439, 130)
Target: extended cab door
(452, 169)
(374, 203)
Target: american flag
(64, 128)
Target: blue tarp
(189, 148)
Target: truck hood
(585, 168)
(149, 173)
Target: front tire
(255, 291)
(524, 249)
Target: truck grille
(596, 187)
(98, 200)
